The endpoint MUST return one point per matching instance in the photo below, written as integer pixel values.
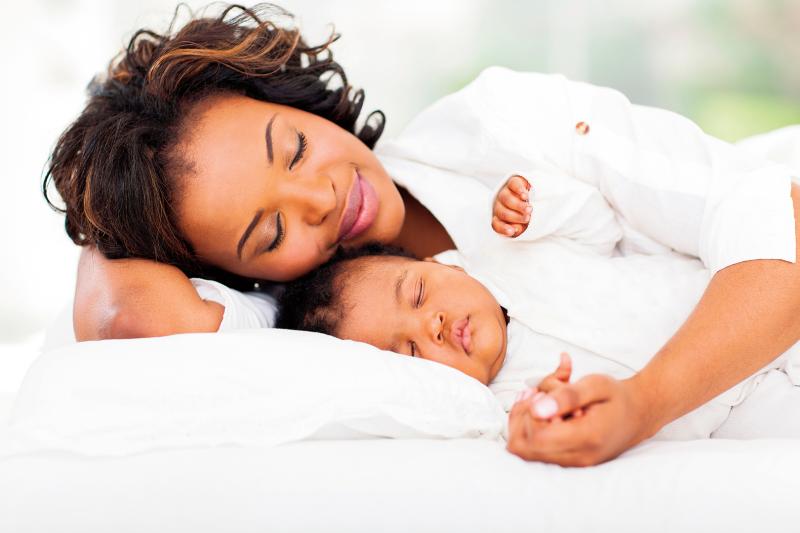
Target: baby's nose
(437, 327)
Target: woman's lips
(360, 211)
(461, 334)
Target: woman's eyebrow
(247, 232)
(268, 137)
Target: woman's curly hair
(115, 167)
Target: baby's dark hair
(313, 302)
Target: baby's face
(424, 309)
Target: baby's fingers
(510, 216)
(519, 186)
(512, 202)
(559, 377)
(503, 228)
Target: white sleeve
(566, 207)
(661, 174)
(243, 310)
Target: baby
(382, 296)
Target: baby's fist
(511, 212)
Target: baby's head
(382, 296)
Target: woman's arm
(749, 315)
(126, 298)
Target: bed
(254, 431)
(390, 485)
(100, 440)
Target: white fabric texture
(403, 486)
(249, 387)
(770, 411)
(243, 310)
(671, 186)
(781, 145)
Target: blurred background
(730, 65)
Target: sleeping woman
(228, 150)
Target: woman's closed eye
(302, 144)
(280, 233)
(413, 347)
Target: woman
(223, 151)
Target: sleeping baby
(383, 296)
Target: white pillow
(246, 387)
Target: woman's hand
(511, 212)
(615, 418)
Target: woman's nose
(316, 199)
(436, 328)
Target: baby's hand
(551, 382)
(511, 213)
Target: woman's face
(273, 191)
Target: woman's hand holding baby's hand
(522, 422)
(512, 209)
(615, 418)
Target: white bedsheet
(406, 486)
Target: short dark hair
(313, 302)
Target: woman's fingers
(614, 418)
(549, 441)
(569, 397)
